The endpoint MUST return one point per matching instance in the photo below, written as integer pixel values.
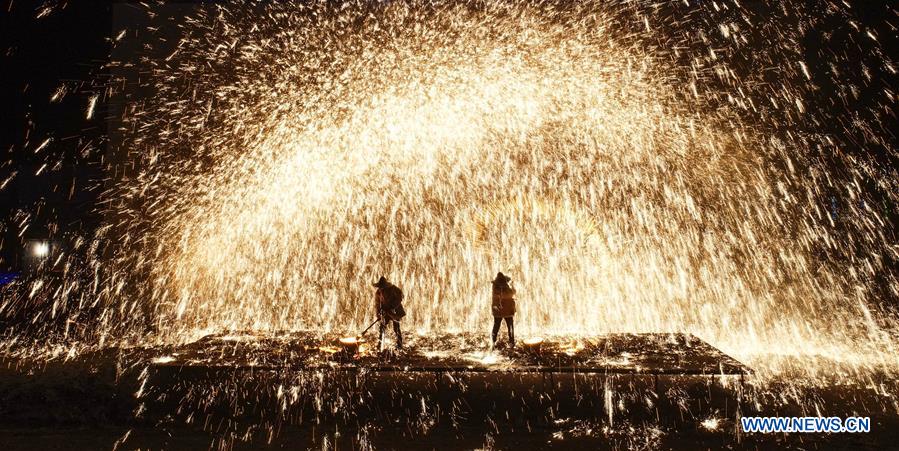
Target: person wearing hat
(389, 308)
(503, 306)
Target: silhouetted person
(389, 308)
(503, 306)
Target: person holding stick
(389, 309)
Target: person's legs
(399, 334)
(382, 325)
(511, 329)
(496, 323)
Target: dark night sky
(70, 45)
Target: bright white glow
(710, 424)
(41, 249)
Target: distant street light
(40, 249)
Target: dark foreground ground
(307, 391)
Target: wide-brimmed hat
(500, 277)
(381, 282)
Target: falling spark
(58, 94)
(805, 70)
(91, 105)
(44, 11)
(43, 145)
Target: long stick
(369, 327)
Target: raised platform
(243, 391)
(668, 354)
(243, 385)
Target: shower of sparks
(609, 157)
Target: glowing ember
(534, 344)
(351, 344)
(710, 424)
(573, 348)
